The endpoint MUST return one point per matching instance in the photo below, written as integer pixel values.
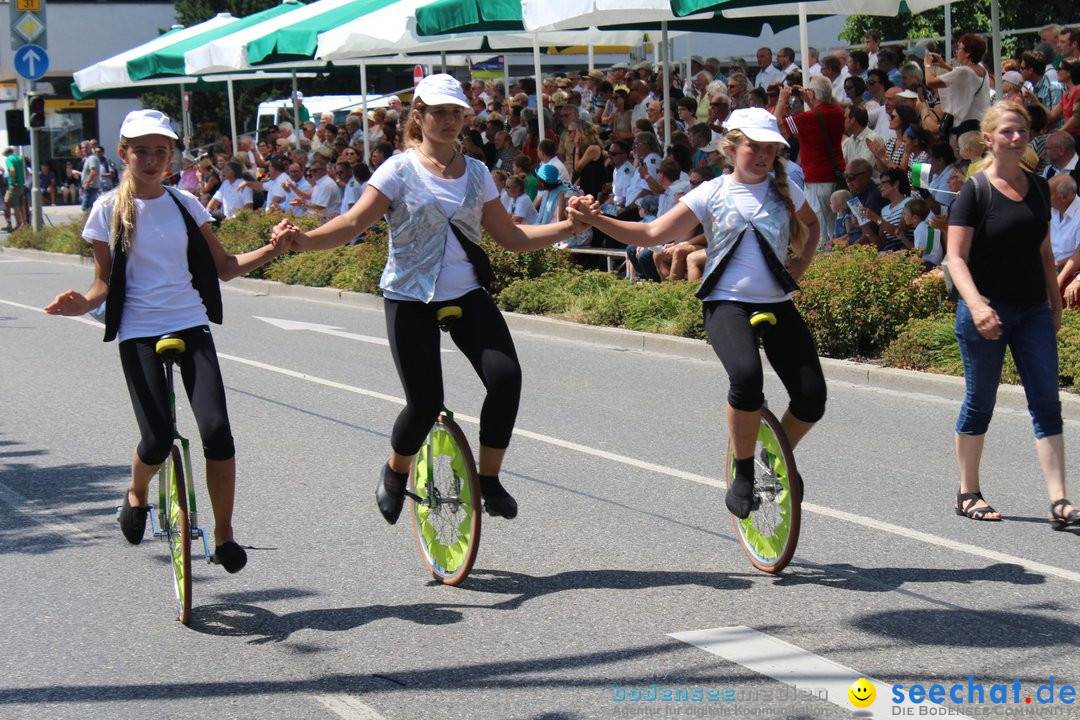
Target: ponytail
(799, 232)
(123, 200)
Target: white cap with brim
(146, 122)
(907, 95)
(441, 89)
(756, 123)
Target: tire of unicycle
(179, 533)
(446, 519)
(771, 532)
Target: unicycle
(176, 519)
(771, 532)
(445, 493)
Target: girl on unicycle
(435, 201)
(158, 263)
(761, 238)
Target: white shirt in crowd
(770, 74)
(747, 277)
(671, 196)
(232, 198)
(1065, 231)
(274, 191)
(326, 195)
(456, 273)
(564, 174)
(523, 208)
(352, 192)
(290, 195)
(159, 297)
(626, 185)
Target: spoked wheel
(446, 518)
(769, 535)
(179, 533)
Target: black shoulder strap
(982, 200)
(477, 257)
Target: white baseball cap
(441, 89)
(756, 123)
(907, 95)
(146, 122)
(1014, 77)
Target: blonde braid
(123, 201)
(799, 232)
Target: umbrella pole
(296, 111)
(995, 25)
(232, 114)
(667, 85)
(592, 58)
(804, 42)
(539, 88)
(363, 107)
(184, 117)
(947, 53)
(506, 75)
(442, 61)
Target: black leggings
(481, 334)
(201, 374)
(788, 346)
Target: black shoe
(230, 556)
(740, 498)
(132, 521)
(390, 493)
(496, 500)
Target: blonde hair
(122, 229)
(516, 181)
(996, 113)
(798, 233)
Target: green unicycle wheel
(446, 502)
(178, 532)
(771, 532)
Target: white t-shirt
(353, 191)
(747, 277)
(290, 195)
(232, 198)
(507, 201)
(523, 208)
(456, 275)
(326, 195)
(159, 297)
(274, 190)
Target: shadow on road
(971, 628)
(843, 576)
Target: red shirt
(813, 151)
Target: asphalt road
(593, 597)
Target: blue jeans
(1028, 330)
(642, 260)
(88, 198)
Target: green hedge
(59, 239)
(929, 345)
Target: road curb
(946, 386)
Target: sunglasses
(888, 182)
(852, 176)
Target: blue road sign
(31, 61)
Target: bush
(929, 345)
(250, 229)
(855, 300)
(59, 238)
(509, 267)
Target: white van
(272, 112)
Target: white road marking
(347, 707)
(84, 321)
(43, 516)
(328, 330)
(874, 524)
(791, 665)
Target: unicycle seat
(446, 315)
(170, 346)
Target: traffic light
(37, 111)
(16, 130)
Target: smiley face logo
(862, 693)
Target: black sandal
(1060, 521)
(965, 505)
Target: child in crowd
(929, 242)
(499, 177)
(972, 148)
(522, 210)
(847, 230)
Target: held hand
(940, 222)
(986, 321)
(297, 202)
(1072, 294)
(68, 303)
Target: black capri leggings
(481, 334)
(788, 346)
(201, 374)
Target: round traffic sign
(31, 61)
